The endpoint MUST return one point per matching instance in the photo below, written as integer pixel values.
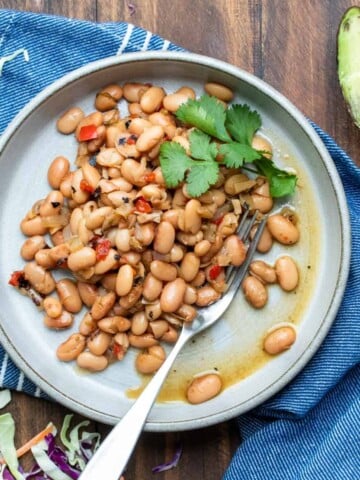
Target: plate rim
(284, 103)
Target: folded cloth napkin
(310, 430)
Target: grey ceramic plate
(233, 346)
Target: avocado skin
(348, 59)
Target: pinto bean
(189, 267)
(279, 339)
(151, 100)
(64, 320)
(94, 363)
(287, 273)
(152, 287)
(282, 229)
(203, 388)
(164, 237)
(255, 292)
(172, 295)
(39, 278)
(124, 280)
(69, 120)
(88, 293)
(102, 305)
(206, 295)
(71, 348)
(163, 271)
(99, 342)
(31, 246)
(82, 259)
(69, 295)
(151, 360)
(52, 307)
(263, 271)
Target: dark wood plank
(82, 9)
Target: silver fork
(113, 454)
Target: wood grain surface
(291, 44)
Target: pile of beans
(142, 257)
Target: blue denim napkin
(310, 430)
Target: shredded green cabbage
(5, 398)
(7, 446)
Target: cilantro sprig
(235, 127)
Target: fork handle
(114, 452)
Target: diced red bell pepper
(102, 248)
(15, 278)
(88, 132)
(142, 205)
(214, 272)
(218, 220)
(85, 186)
(150, 177)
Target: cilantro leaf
(281, 182)
(201, 146)
(235, 154)
(242, 123)
(207, 114)
(201, 176)
(174, 163)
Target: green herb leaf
(235, 154)
(281, 182)
(201, 176)
(201, 146)
(207, 114)
(242, 123)
(174, 163)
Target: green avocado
(348, 56)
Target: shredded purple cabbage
(169, 465)
(59, 457)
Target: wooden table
(291, 44)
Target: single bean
(151, 360)
(69, 295)
(192, 219)
(190, 296)
(262, 199)
(59, 253)
(94, 363)
(110, 262)
(171, 335)
(99, 342)
(71, 348)
(52, 307)
(255, 292)
(172, 295)
(263, 271)
(189, 267)
(282, 229)
(114, 324)
(64, 320)
(33, 226)
(52, 204)
(102, 305)
(129, 300)
(122, 240)
(79, 195)
(202, 248)
(88, 293)
(203, 388)
(142, 341)
(150, 137)
(164, 237)
(39, 278)
(82, 259)
(219, 91)
(163, 271)
(235, 249)
(31, 246)
(90, 174)
(171, 216)
(187, 312)
(138, 125)
(158, 328)
(124, 280)
(43, 258)
(206, 295)
(173, 101)
(151, 100)
(279, 340)
(108, 97)
(287, 273)
(95, 118)
(152, 287)
(132, 91)
(139, 323)
(266, 240)
(87, 325)
(153, 310)
(66, 184)
(69, 120)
